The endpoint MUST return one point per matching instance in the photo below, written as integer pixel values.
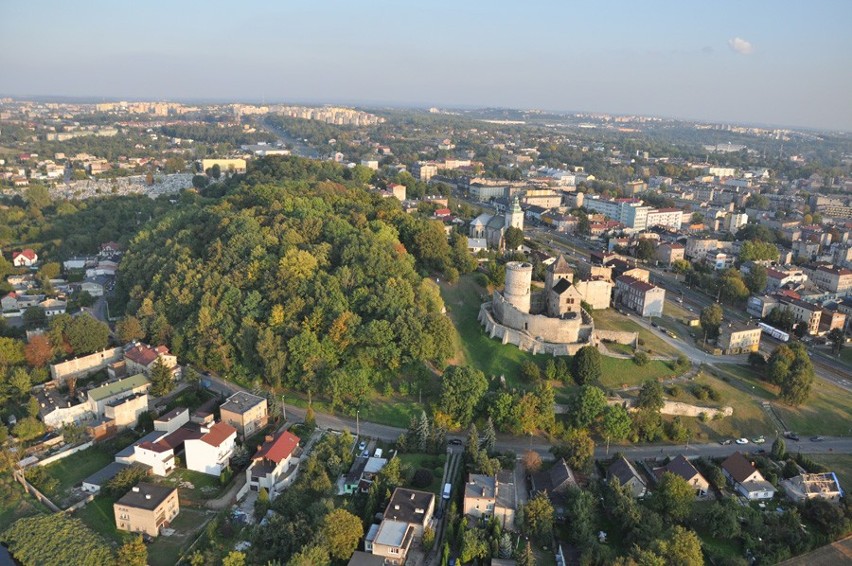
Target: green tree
(235, 557)
(756, 279)
(56, 538)
(641, 358)
(577, 448)
(473, 546)
(462, 387)
(837, 339)
(162, 381)
(216, 171)
(682, 547)
(530, 372)
(551, 373)
(526, 557)
(133, 553)
(28, 428)
(586, 365)
(779, 449)
(314, 555)
(673, 497)
(514, 238)
(489, 436)
(128, 329)
(616, 424)
(341, 532)
(711, 320)
(754, 250)
(538, 517)
(587, 405)
(650, 396)
(645, 250)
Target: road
(297, 146)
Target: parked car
(742, 441)
(362, 446)
(725, 442)
(758, 440)
(454, 442)
(817, 438)
(791, 436)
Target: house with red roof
(211, 453)
(140, 358)
(24, 258)
(158, 455)
(275, 464)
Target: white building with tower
(492, 228)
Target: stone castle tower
(518, 284)
(557, 270)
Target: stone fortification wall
(617, 336)
(545, 328)
(679, 409)
(527, 342)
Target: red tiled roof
(27, 253)
(220, 432)
(145, 355)
(279, 448)
(158, 446)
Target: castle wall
(526, 342)
(558, 330)
(617, 336)
(597, 293)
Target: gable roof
(561, 286)
(219, 433)
(278, 448)
(680, 466)
(624, 471)
(739, 467)
(27, 253)
(556, 479)
(144, 354)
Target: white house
(746, 479)
(24, 258)
(159, 455)
(211, 453)
(275, 461)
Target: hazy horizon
(770, 63)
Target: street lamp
(357, 423)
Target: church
(492, 228)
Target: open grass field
(828, 411)
(610, 319)
(434, 462)
(194, 488)
(99, 516)
(391, 411)
(617, 372)
(74, 469)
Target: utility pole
(357, 423)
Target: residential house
(56, 409)
(100, 397)
(211, 453)
(276, 461)
(641, 297)
(245, 412)
(146, 508)
(141, 358)
(491, 496)
(746, 479)
(554, 483)
(739, 338)
(683, 468)
(669, 253)
(627, 476)
(24, 258)
(804, 312)
(125, 412)
(833, 279)
(813, 486)
(172, 420)
(406, 516)
(159, 456)
(53, 307)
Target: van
(448, 488)
(378, 453)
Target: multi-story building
(424, 170)
(698, 248)
(803, 313)
(641, 297)
(669, 253)
(225, 165)
(408, 513)
(125, 412)
(780, 276)
(245, 412)
(275, 461)
(738, 339)
(491, 496)
(211, 453)
(146, 508)
(668, 217)
(100, 397)
(833, 279)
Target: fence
(19, 475)
(64, 454)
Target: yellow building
(146, 508)
(245, 412)
(739, 339)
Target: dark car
(817, 439)
(454, 442)
(725, 442)
(792, 436)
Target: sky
(775, 62)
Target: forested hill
(298, 276)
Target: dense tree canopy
(297, 275)
(56, 539)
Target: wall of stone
(525, 341)
(597, 293)
(678, 409)
(556, 330)
(617, 336)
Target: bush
(422, 478)
(641, 358)
(674, 391)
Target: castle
(550, 321)
(492, 229)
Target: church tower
(515, 216)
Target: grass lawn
(840, 464)
(74, 469)
(15, 503)
(165, 551)
(828, 411)
(617, 372)
(204, 486)
(434, 462)
(610, 319)
(99, 516)
(391, 411)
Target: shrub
(422, 478)
(641, 358)
(674, 391)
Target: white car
(742, 441)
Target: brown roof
(158, 446)
(278, 448)
(219, 432)
(680, 466)
(738, 466)
(181, 435)
(142, 354)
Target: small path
(229, 496)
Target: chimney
(267, 438)
(396, 507)
(147, 496)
